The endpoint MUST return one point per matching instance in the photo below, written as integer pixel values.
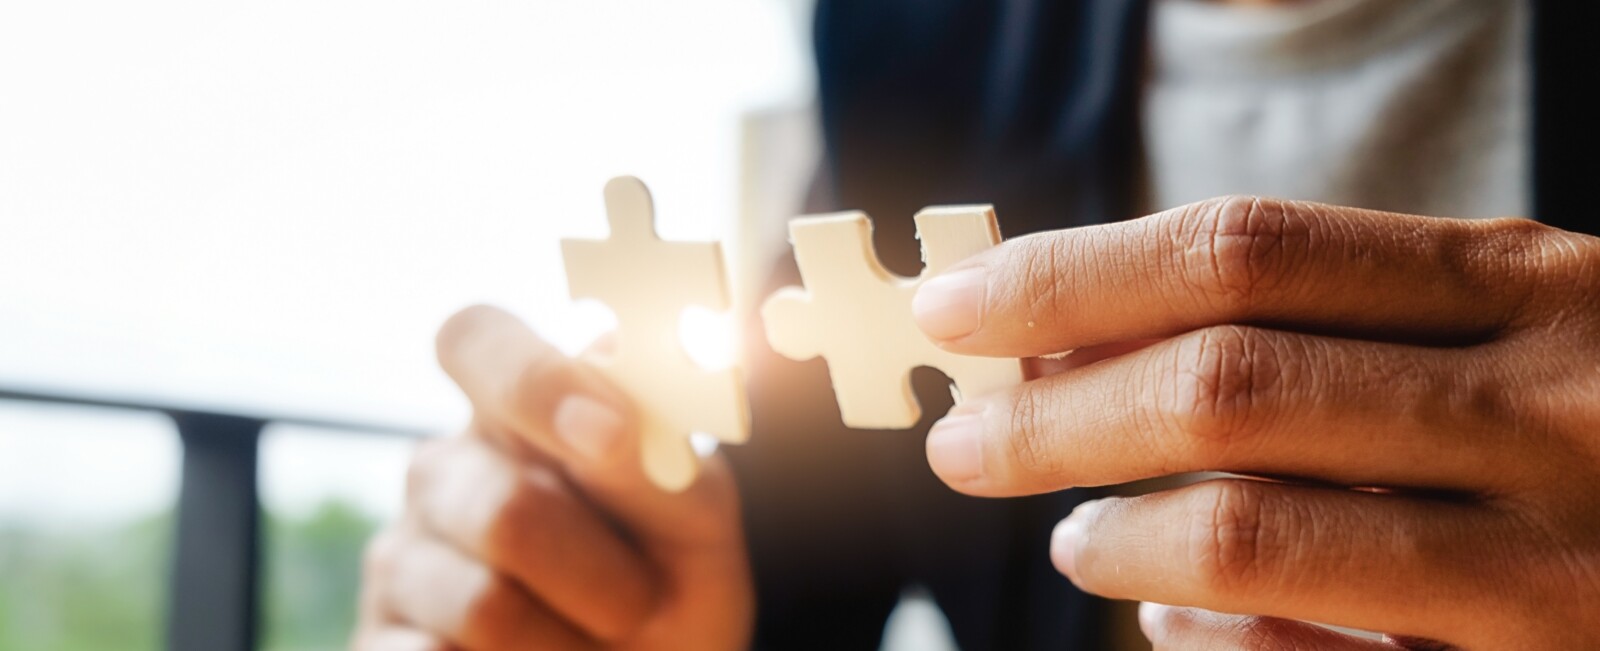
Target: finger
(525, 391)
(1193, 629)
(1363, 560)
(399, 638)
(1292, 265)
(432, 587)
(520, 384)
(1242, 400)
(525, 521)
(692, 538)
(372, 618)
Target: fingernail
(1067, 539)
(588, 426)
(955, 447)
(950, 306)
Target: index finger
(521, 386)
(1236, 260)
(528, 395)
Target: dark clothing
(1030, 105)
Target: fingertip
(950, 305)
(955, 449)
(460, 326)
(1069, 537)
(1064, 540)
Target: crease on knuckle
(1231, 249)
(1029, 439)
(1567, 267)
(1222, 381)
(1481, 404)
(1228, 537)
(1499, 263)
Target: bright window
(86, 500)
(323, 493)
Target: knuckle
(1485, 404)
(1220, 383)
(1230, 247)
(1500, 247)
(1568, 264)
(1529, 271)
(1228, 537)
(1029, 441)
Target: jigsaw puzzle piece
(647, 283)
(950, 234)
(856, 315)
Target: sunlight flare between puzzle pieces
(851, 312)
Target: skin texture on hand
(1425, 392)
(537, 529)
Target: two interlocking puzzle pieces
(852, 312)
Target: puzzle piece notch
(856, 315)
(647, 283)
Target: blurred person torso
(1416, 106)
(1072, 113)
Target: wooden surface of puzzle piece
(647, 283)
(856, 315)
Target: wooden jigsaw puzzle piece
(950, 234)
(846, 315)
(647, 283)
(856, 315)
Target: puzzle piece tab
(856, 315)
(647, 283)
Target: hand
(1432, 385)
(537, 529)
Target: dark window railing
(215, 585)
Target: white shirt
(1417, 106)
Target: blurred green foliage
(76, 588)
(313, 572)
(104, 588)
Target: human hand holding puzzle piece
(852, 312)
(648, 282)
